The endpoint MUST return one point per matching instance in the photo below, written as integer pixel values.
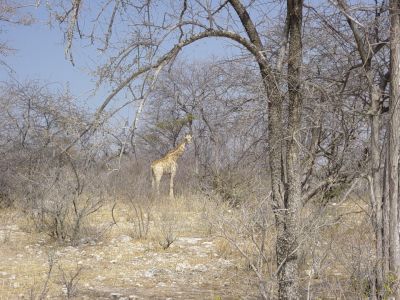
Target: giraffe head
(188, 138)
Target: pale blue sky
(40, 55)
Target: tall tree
(288, 232)
(368, 46)
(394, 141)
(196, 21)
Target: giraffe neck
(178, 151)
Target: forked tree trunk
(394, 141)
(288, 232)
(285, 179)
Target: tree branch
(164, 60)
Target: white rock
(200, 268)
(224, 262)
(125, 238)
(161, 284)
(189, 240)
(182, 267)
(116, 295)
(150, 273)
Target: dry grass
(117, 263)
(212, 252)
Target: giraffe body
(168, 165)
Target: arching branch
(257, 53)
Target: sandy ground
(119, 266)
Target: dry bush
(168, 228)
(247, 233)
(129, 182)
(58, 201)
(42, 292)
(235, 184)
(57, 188)
(336, 254)
(7, 223)
(337, 258)
(128, 179)
(36, 122)
(5, 192)
(140, 215)
(59, 209)
(350, 258)
(69, 281)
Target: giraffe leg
(157, 180)
(171, 184)
(152, 179)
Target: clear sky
(40, 55)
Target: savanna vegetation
(289, 188)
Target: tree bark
(376, 190)
(285, 197)
(289, 276)
(394, 142)
(385, 221)
(374, 178)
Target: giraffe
(168, 165)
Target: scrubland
(196, 246)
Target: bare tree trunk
(286, 235)
(385, 217)
(376, 190)
(275, 133)
(289, 277)
(394, 141)
(376, 198)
